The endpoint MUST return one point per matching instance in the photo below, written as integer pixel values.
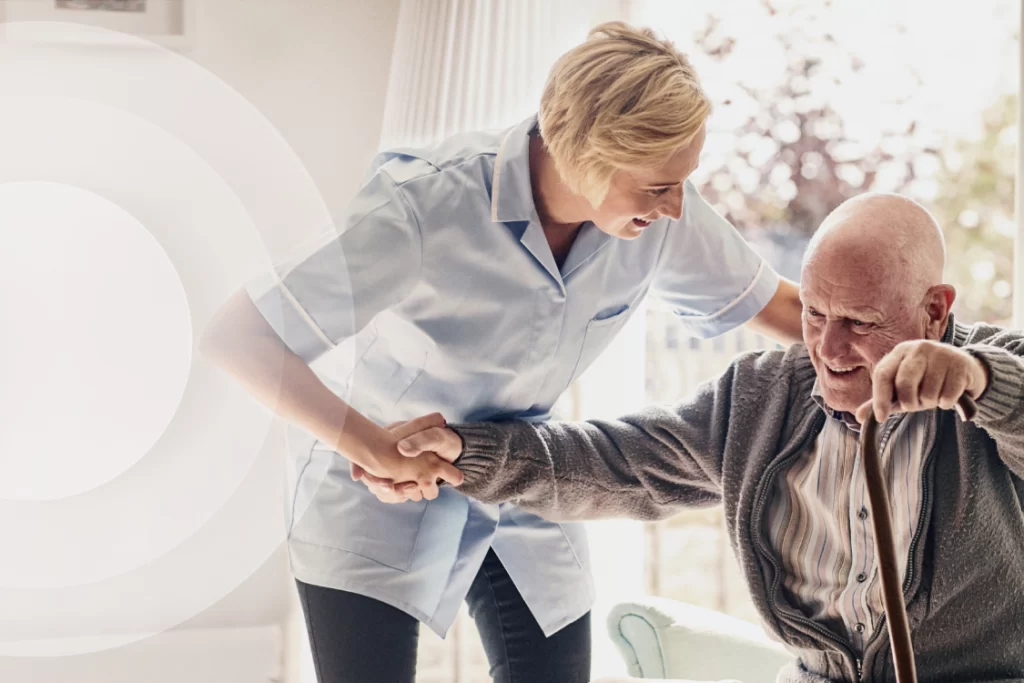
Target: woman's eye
(658, 192)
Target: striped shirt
(819, 526)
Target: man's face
(852, 317)
(638, 197)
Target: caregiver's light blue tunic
(440, 293)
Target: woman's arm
(782, 318)
(715, 281)
(326, 292)
(241, 342)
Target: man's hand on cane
(923, 375)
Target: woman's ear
(937, 303)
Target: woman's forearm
(781, 319)
(241, 342)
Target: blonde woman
(479, 278)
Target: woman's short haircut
(624, 98)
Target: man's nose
(673, 206)
(834, 343)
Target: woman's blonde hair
(622, 99)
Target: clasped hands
(419, 456)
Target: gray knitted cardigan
(728, 441)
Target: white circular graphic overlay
(139, 485)
(98, 341)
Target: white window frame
(1018, 245)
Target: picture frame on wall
(103, 5)
(168, 23)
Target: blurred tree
(974, 203)
(793, 160)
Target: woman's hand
(394, 486)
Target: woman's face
(637, 197)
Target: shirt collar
(511, 191)
(848, 419)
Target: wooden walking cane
(885, 544)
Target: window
(816, 102)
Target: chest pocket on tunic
(600, 332)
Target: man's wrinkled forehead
(854, 303)
(854, 280)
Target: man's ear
(937, 303)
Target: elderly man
(775, 438)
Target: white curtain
(464, 65)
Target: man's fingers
(440, 440)
(371, 480)
(882, 386)
(374, 480)
(932, 384)
(946, 400)
(430, 490)
(406, 487)
(426, 441)
(359, 474)
(908, 383)
(863, 412)
(953, 386)
(449, 472)
(386, 495)
(405, 429)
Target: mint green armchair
(665, 639)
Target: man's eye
(813, 313)
(858, 323)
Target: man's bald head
(883, 234)
(872, 278)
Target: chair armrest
(662, 638)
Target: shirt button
(862, 577)
(859, 627)
(863, 514)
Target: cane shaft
(885, 544)
(885, 552)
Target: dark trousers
(356, 639)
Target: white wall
(318, 69)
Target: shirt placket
(859, 620)
(863, 580)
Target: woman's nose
(673, 207)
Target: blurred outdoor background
(817, 102)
